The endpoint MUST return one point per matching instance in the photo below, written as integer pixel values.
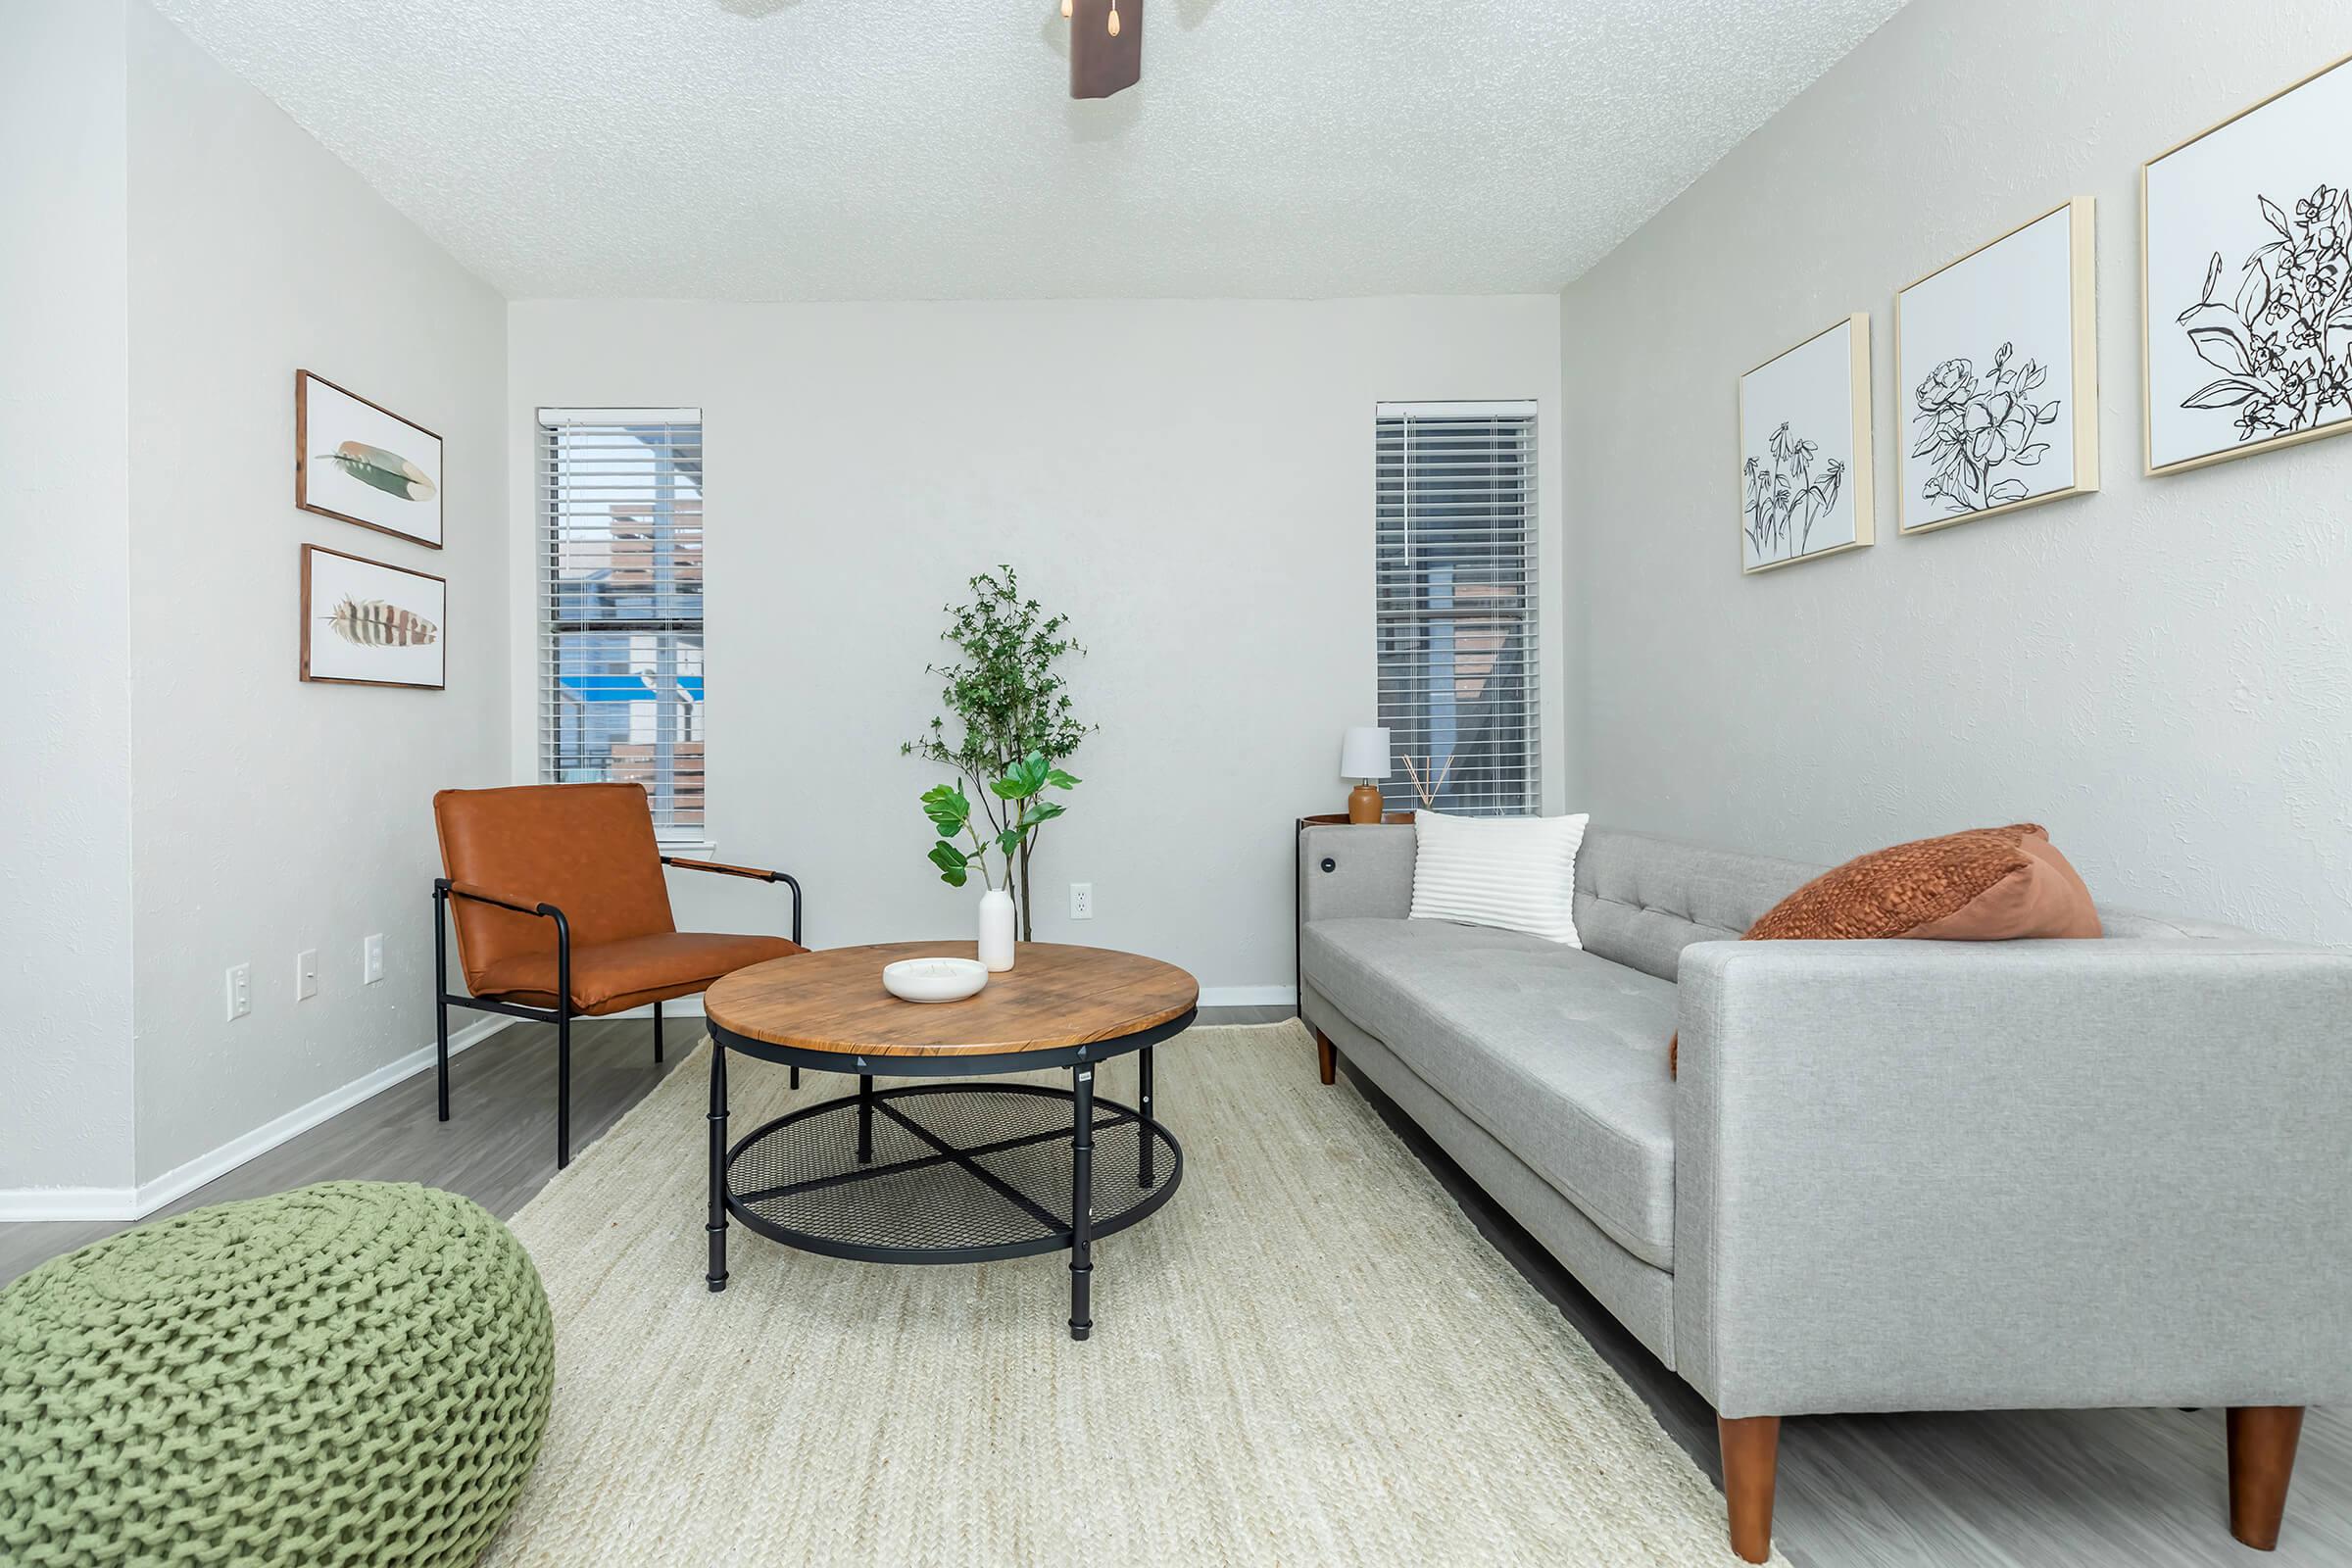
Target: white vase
(996, 930)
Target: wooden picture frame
(1839, 436)
(382, 632)
(2269, 197)
(2014, 262)
(385, 472)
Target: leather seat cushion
(615, 976)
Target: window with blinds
(620, 606)
(1455, 613)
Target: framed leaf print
(364, 624)
(1804, 443)
(2247, 243)
(359, 462)
(1996, 372)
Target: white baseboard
(136, 1203)
(1249, 997)
(67, 1203)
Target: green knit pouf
(354, 1373)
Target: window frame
(1397, 553)
(552, 508)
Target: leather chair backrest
(587, 849)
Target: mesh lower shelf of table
(958, 1173)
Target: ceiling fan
(1106, 45)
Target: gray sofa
(1892, 1175)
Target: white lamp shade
(1364, 754)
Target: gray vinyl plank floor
(2026, 1489)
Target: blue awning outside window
(626, 688)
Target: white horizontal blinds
(1455, 616)
(620, 605)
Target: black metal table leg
(1082, 1201)
(1143, 1072)
(718, 1225)
(865, 1119)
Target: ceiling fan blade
(1101, 62)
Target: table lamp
(1364, 756)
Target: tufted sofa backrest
(1640, 900)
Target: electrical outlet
(306, 974)
(372, 960)
(240, 991)
(1082, 900)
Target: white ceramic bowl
(934, 979)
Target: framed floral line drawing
(2246, 296)
(1996, 373)
(1805, 474)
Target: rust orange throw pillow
(1993, 884)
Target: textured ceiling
(886, 149)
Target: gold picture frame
(2081, 345)
(2148, 306)
(1859, 480)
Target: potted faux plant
(1024, 813)
(1013, 708)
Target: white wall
(270, 815)
(1191, 480)
(65, 925)
(2161, 673)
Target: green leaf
(1024, 779)
(1010, 840)
(948, 808)
(1062, 781)
(955, 868)
(1042, 811)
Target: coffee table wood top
(1054, 997)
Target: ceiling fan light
(1114, 18)
(1067, 7)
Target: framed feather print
(1804, 450)
(2246, 236)
(360, 463)
(364, 624)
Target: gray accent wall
(2161, 672)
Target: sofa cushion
(1640, 900)
(1514, 872)
(1993, 884)
(1552, 1050)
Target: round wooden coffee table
(946, 1172)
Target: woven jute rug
(1310, 1356)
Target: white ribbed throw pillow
(1516, 873)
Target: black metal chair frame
(561, 1014)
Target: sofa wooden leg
(1751, 1453)
(1327, 1058)
(2262, 1461)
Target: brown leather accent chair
(562, 913)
